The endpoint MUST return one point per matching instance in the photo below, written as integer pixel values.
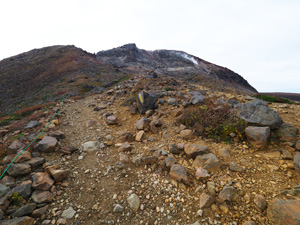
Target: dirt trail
(99, 180)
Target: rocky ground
(102, 162)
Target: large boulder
(282, 212)
(257, 113)
(145, 102)
(257, 136)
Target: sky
(258, 39)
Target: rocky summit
(152, 149)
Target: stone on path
(297, 162)
(287, 132)
(140, 135)
(208, 161)
(91, 145)
(228, 193)
(134, 202)
(192, 150)
(179, 173)
(145, 102)
(186, 134)
(142, 123)
(260, 201)
(206, 200)
(118, 209)
(68, 213)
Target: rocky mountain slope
(46, 74)
(177, 64)
(102, 162)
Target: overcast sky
(258, 39)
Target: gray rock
(24, 210)
(297, 162)
(112, 120)
(17, 169)
(24, 189)
(235, 167)
(68, 213)
(36, 162)
(3, 190)
(91, 145)
(47, 144)
(197, 99)
(8, 181)
(32, 124)
(211, 187)
(174, 149)
(208, 161)
(145, 102)
(297, 146)
(257, 136)
(257, 113)
(4, 203)
(287, 132)
(179, 173)
(1, 214)
(142, 123)
(118, 209)
(172, 101)
(228, 193)
(134, 202)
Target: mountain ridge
(174, 63)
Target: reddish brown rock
(26, 155)
(228, 193)
(176, 112)
(91, 123)
(112, 120)
(59, 175)
(42, 181)
(283, 212)
(39, 212)
(57, 134)
(68, 150)
(16, 145)
(179, 173)
(4, 203)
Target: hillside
(177, 64)
(47, 74)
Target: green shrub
(168, 89)
(16, 198)
(269, 98)
(213, 121)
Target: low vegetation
(214, 121)
(269, 98)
